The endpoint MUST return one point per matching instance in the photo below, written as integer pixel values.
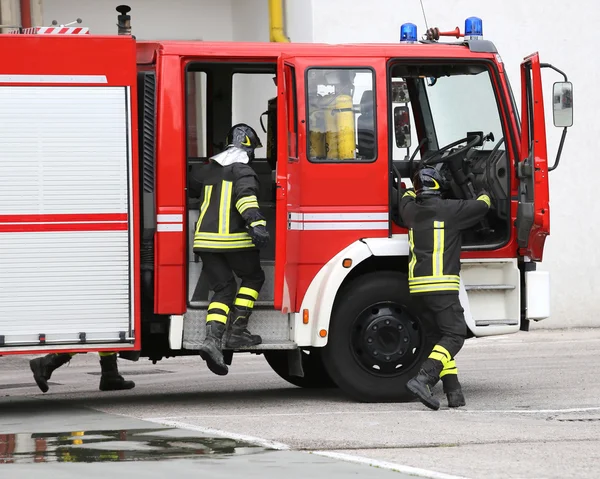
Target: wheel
(315, 375)
(376, 343)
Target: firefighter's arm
(245, 196)
(472, 211)
(407, 205)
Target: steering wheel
(438, 155)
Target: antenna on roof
(424, 16)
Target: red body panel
(113, 57)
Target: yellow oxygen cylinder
(331, 129)
(345, 127)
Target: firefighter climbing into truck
(98, 256)
(229, 231)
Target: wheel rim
(386, 339)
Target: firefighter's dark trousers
(219, 269)
(444, 322)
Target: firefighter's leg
(246, 265)
(222, 282)
(42, 368)
(452, 388)
(429, 373)
(111, 380)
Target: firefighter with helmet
(229, 232)
(435, 226)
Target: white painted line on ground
(397, 411)
(217, 432)
(391, 466)
(415, 471)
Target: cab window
(341, 115)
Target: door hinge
(524, 169)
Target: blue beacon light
(408, 33)
(473, 28)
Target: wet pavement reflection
(116, 446)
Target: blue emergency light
(408, 32)
(473, 28)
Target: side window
(341, 115)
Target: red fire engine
(99, 134)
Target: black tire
(315, 375)
(376, 343)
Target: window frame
(293, 113)
(503, 111)
(307, 113)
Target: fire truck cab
(100, 135)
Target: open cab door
(533, 213)
(286, 247)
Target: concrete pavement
(532, 408)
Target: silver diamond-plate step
(272, 326)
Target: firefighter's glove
(260, 236)
(484, 196)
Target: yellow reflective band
(248, 292)
(223, 244)
(450, 364)
(438, 248)
(441, 349)
(247, 206)
(244, 200)
(448, 371)
(204, 206)
(224, 207)
(246, 303)
(434, 288)
(104, 354)
(485, 199)
(413, 257)
(258, 223)
(438, 357)
(216, 317)
(222, 306)
(409, 193)
(450, 278)
(216, 236)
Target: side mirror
(402, 126)
(562, 104)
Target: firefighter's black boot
(453, 391)
(422, 384)
(111, 380)
(238, 335)
(43, 368)
(210, 349)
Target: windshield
(464, 103)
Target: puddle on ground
(116, 446)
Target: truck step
(272, 326)
(489, 287)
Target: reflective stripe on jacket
(435, 240)
(228, 207)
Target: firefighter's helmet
(244, 137)
(428, 182)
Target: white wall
(559, 31)
(150, 19)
